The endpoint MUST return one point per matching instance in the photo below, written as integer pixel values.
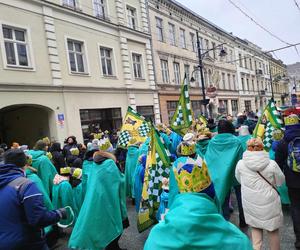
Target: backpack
(293, 160)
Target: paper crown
(187, 149)
(74, 151)
(77, 172)
(192, 176)
(277, 135)
(105, 145)
(132, 142)
(49, 155)
(65, 170)
(291, 120)
(97, 135)
(46, 140)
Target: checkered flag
(183, 117)
(268, 139)
(124, 138)
(144, 129)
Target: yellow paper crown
(77, 173)
(106, 145)
(66, 170)
(132, 142)
(277, 134)
(46, 140)
(196, 181)
(291, 120)
(74, 151)
(49, 155)
(188, 149)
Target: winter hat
(291, 120)
(76, 173)
(192, 176)
(255, 144)
(40, 145)
(225, 126)
(46, 140)
(16, 157)
(277, 135)
(99, 156)
(94, 145)
(244, 130)
(188, 145)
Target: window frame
(113, 58)
(183, 46)
(159, 29)
(167, 78)
(28, 42)
(134, 17)
(85, 57)
(177, 76)
(141, 65)
(105, 15)
(173, 35)
(193, 42)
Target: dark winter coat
(281, 154)
(57, 156)
(23, 214)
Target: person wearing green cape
(223, 153)
(130, 166)
(103, 212)
(193, 221)
(45, 169)
(244, 136)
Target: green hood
(36, 153)
(192, 223)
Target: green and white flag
(183, 117)
(268, 136)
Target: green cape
(130, 166)
(201, 147)
(243, 139)
(62, 196)
(223, 153)
(45, 168)
(192, 223)
(78, 199)
(103, 210)
(86, 169)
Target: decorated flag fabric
(183, 117)
(134, 127)
(157, 167)
(273, 121)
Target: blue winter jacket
(23, 214)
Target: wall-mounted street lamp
(222, 53)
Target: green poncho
(192, 223)
(243, 139)
(45, 168)
(201, 147)
(130, 166)
(223, 153)
(86, 169)
(78, 198)
(103, 210)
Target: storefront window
(146, 111)
(248, 106)
(94, 119)
(171, 107)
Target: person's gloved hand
(62, 213)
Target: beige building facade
(69, 67)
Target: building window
(187, 71)
(16, 47)
(229, 81)
(69, 3)
(253, 86)
(247, 106)
(159, 28)
(193, 42)
(255, 65)
(172, 36)
(245, 62)
(235, 108)
(243, 84)
(240, 60)
(171, 107)
(177, 73)
(131, 15)
(196, 75)
(213, 45)
(231, 56)
(247, 80)
(234, 82)
(146, 111)
(76, 56)
(197, 108)
(223, 80)
(250, 63)
(100, 8)
(182, 38)
(137, 65)
(223, 107)
(165, 71)
(201, 42)
(106, 55)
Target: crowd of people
(46, 189)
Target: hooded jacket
(23, 214)
(261, 203)
(57, 156)
(281, 155)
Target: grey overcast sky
(281, 17)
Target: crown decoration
(277, 134)
(192, 176)
(65, 170)
(49, 155)
(74, 151)
(105, 144)
(77, 172)
(291, 120)
(187, 148)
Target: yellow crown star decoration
(291, 120)
(77, 172)
(65, 170)
(192, 176)
(188, 149)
